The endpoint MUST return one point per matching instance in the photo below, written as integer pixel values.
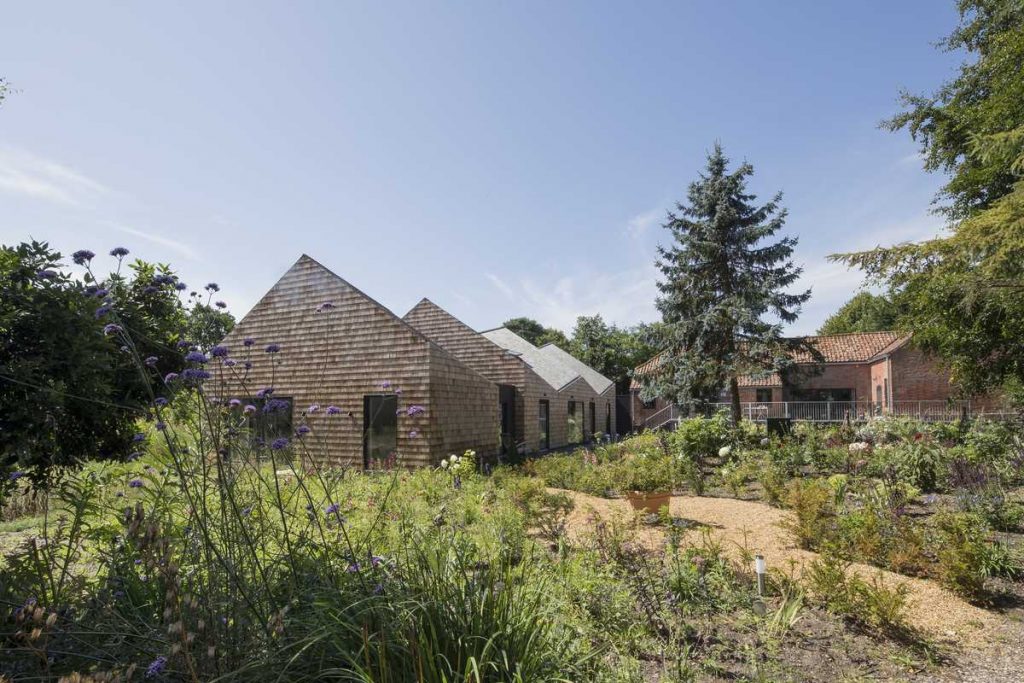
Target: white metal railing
(662, 417)
(857, 411)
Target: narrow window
(544, 421)
(380, 427)
(593, 420)
(764, 396)
(608, 418)
(573, 427)
(885, 393)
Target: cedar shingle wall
(339, 356)
(464, 408)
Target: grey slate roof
(549, 367)
(595, 379)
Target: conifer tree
(722, 278)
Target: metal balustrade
(836, 411)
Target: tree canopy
(865, 312)
(962, 294)
(721, 277)
(535, 333)
(70, 388)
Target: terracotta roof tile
(855, 347)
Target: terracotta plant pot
(651, 502)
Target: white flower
(724, 451)
(859, 446)
(453, 459)
(765, 441)
(444, 464)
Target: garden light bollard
(761, 571)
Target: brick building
(422, 386)
(864, 373)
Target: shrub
(814, 514)
(963, 553)
(869, 603)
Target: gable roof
(852, 347)
(550, 368)
(595, 379)
(309, 300)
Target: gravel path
(992, 646)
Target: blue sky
(501, 159)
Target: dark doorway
(380, 427)
(593, 420)
(608, 419)
(544, 422)
(507, 401)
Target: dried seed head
(36, 632)
(37, 615)
(211, 652)
(176, 648)
(52, 619)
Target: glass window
(380, 427)
(574, 426)
(544, 422)
(764, 395)
(608, 418)
(593, 420)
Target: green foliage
(720, 279)
(535, 333)
(960, 295)
(814, 515)
(966, 557)
(865, 312)
(869, 603)
(206, 326)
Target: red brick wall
(915, 377)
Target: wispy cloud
(501, 286)
(639, 224)
(25, 174)
(177, 246)
(625, 297)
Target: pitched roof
(550, 368)
(595, 379)
(853, 347)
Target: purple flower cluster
(279, 444)
(248, 341)
(82, 256)
(160, 401)
(119, 252)
(194, 375)
(103, 310)
(219, 351)
(46, 274)
(313, 408)
(212, 287)
(276, 405)
(196, 357)
(156, 667)
(264, 392)
(333, 410)
(414, 410)
(332, 509)
(272, 348)
(15, 476)
(220, 304)
(303, 430)
(151, 361)
(325, 306)
(136, 483)
(112, 328)
(170, 377)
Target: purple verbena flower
(156, 667)
(100, 293)
(139, 437)
(280, 443)
(136, 483)
(248, 341)
(180, 286)
(333, 410)
(313, 408)
(194, 374)
(119, 252)
(103, 310)
(332, 509)
(234, 403)
(415, 410)
(272, 348)
(150, 289)
(82, 256)
(196, 357)
(247, 365)
(264, 392)
(413, 434)
(249, 409)
(151, 361)
(15, 476)
(385, 384)
(230, 362)
(170, 377)
(219, 351)
(112, 328)
(220, 304)
(183, 344)
(303, 430)
(160, 401)
(161, 426)
(353, 568)
(46, 274)
(212, 287)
